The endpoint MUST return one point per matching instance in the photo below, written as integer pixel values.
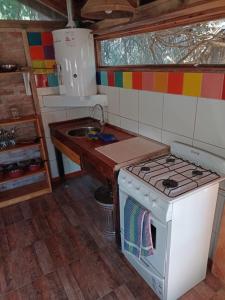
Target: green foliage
(201, 43)
(15, 10)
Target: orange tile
(37, 52)
(160, 82)
(192, 84)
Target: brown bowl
(8, 68)
(34, 167)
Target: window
(202, 43)
(25, 10)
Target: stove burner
(145, 169)
(170, 160)
(170, 183)
(197, 172)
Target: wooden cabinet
(14, 49)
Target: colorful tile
(111, 78)
(41, 80)
(49, 52)
(37, 52)
(50, 64)
(160, 82)
(212, 85)
(137, 80)
(175, 83)
(223, 94)
(52, 80)
(47, 38)
(118, 79)
(127, 80)
(34, 38)
(147, 81)
(98, 78)
(104, 78)
(38, 64)
(192, 84)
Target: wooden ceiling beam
(146, 19)
(55, 5)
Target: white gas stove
(180, 189)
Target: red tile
(41, 80)
(37, 52)
(147, 81)
(111, 78)
(47, 39)
(175, 83)
(137, 80)
(212, 85)
(223, 94)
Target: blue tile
(34, 38)
(104, 78)
(52, 80)
(49, 52)
(98, 78)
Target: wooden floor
(50, 248)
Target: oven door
(160, 232)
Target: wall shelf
(24, 193)
(26, 119)
(7, 178)
(20, 147)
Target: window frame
(193, 68)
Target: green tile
(119, 79)
(104, 78)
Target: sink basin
(83, 131)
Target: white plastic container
(75, 58)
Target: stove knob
(154, 202)
(123, 178)
(138, 188)
(146, 196)
(129, 182)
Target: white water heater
(75, 58)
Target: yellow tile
(160, 82)
(192, 84)
(127, 80)
(50, 64)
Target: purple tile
(49, 52)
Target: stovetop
(172, 175)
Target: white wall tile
(210, 122)
(151, 108)
(51, 117)
(114, 119)
(54, 169)
(69, 165)
(76, 113)
(113, 98)
(150, 132)
(129, 104)
(50, 148)
(129, 125)
(179, 114)
(169, 137)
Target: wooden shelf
(20, 146)
(7, 178)
(21, 71)
(24, 193)
(26, 119)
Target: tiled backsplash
(166, 118)
(43, 58)
(206, 85)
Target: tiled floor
(50, 248)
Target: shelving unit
(28, 190)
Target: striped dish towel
(137, 229)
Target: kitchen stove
(180, 190)
(171, 175)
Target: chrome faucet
(99, 106)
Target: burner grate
(172, 175)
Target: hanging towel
(137, 229)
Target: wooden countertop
(87, 148)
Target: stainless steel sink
(83, 131)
